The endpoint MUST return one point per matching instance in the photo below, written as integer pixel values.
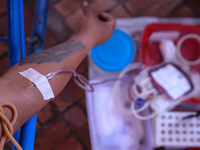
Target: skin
(92, 30)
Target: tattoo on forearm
(54, 54)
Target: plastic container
(114, 55)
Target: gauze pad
(40, 81)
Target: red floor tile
(102, 5)
(71, 144)
(52, 136)
(120, 12)
(136, 8)
(67, 7)
(46, 114)
(162, 8)
(182, 12)
(194, 4)
(70, 95)
(3, 6)
(76, 117)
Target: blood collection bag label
(173, 81)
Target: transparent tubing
(116, 88)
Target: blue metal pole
(22, 32)
(13, 31)
(39, 26)
(28, 134)
(13, 39)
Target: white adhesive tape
(40, 81)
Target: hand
(96, 28)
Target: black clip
(192, 116)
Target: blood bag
(162, 86)
(171, 80)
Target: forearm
(28, 99)
(19, 91)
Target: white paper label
(172, 81)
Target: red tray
(151, 55)
(150, 52)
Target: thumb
(86, 8)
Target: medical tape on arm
(40, 81)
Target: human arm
(26, 98)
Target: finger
(106, 17)
(109, 19)
(86, 8)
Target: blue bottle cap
(117, 53)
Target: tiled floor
(62, 124)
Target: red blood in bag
(190, 49)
